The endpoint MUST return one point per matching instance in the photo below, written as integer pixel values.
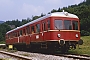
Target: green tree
(35, 17)
(3, 29)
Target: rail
(75, 56)
(15, 55)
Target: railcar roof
(56, 14)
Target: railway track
(16, 56)
(68, 55)
(75, 56)
(60, 56)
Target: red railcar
(58, 30)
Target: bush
(85, 33)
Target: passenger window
(27, 30)
(44, 26)
(14, 34)
(24, 32)
(48, 24)
(32, 29)
(37, 28)
(20, 32)
(11, 35)
(8, 36)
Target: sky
(21, 9)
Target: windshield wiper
(56, 27)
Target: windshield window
(75, 25)
(67, 24)
(58, 24)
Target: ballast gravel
(38, 56)
(6, 57)
(35, 56)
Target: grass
(83, 49)
(11, 50)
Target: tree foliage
(3, 29)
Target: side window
(48, 24)
(28, 30)
(75, 25)
(8, 36)
(32, 29)
(16, 34)
(44, 26)
(13, 34)
(37, 28)
(24, 32)
(20, 32)
(67, 24)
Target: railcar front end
(66, 31)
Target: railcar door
(28, 35)
(45, 33)
(43, 30)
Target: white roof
(56, 14)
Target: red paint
(46, 35)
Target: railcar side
(57, 31)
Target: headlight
(59, 35)
(76, 35)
